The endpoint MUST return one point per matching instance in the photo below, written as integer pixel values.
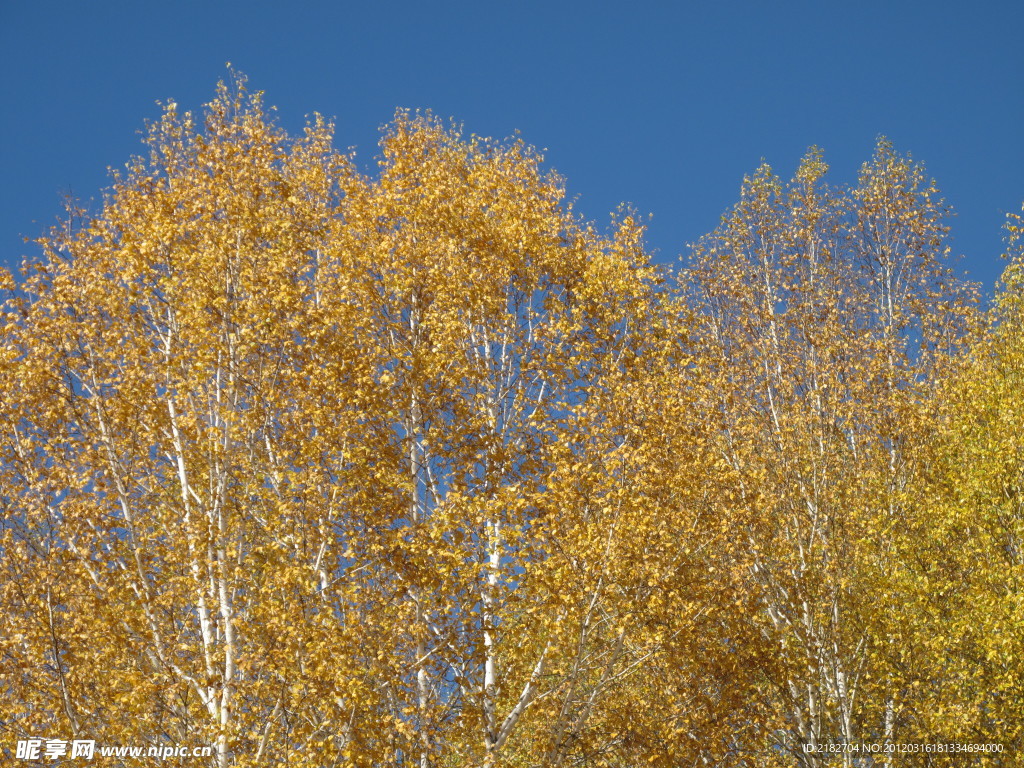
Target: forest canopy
(418, 467)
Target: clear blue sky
(664, 105)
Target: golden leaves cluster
(324, 467)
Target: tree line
(418, 467)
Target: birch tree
(173, 524)
(825, 313)
(499, 312)
(278, 436)
(967, 562)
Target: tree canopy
(322, 467)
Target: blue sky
(662, 105)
